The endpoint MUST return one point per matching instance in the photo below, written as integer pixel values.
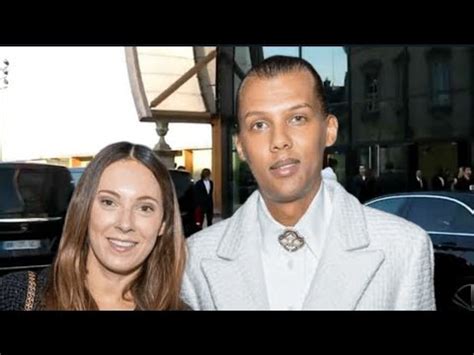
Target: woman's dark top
(14, 287)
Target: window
(395, 206)
(433, 214)
(401, 77)
(34, 191)
(439, 64)
(372, 92)
(371, 74)
(463, 221)
(440, 79)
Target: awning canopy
(176, 84)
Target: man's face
(468, 172)
(418, 174)
(362, 170)
(283, 133)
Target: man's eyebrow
(303, 105)
(254, 113)
(292, 108)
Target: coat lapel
(347, 266)
(341, 279)
(236, 278)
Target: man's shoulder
(209, 238)
(386, 228)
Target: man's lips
(283, 163)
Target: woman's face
(126, 218)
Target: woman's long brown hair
(157, 285)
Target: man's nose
(281, 139)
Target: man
(438, 182)
(204, 188)
(465, 182)
(418, 183)
(300, 242)
(361, 188)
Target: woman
(122, 245)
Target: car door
(32, 215)
(449, 225)
(437, 215)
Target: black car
(184, 186)
(76, 174)
(448, 218)
(33, 204)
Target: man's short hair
(277, 65)
(205, 173)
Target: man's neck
(289, 213)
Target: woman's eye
(107, 202)
(147, 208)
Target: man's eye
(298, 119)
(259, 125)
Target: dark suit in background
(204, 199)
(415, 184)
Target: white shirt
(442, 180)
(421, 182)
(288, 275)
(208, 185)
(328, 173)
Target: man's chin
(288, 195)
(284, 196)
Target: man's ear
(332, 127)
(238, 146)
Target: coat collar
(347, 266)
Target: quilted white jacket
(372, 261)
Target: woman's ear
(332, 127)
(162, 229)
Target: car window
(395, 205)
(433, 214)
(76, 175)
(463, 221)
(34, 191)
(11, 201)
